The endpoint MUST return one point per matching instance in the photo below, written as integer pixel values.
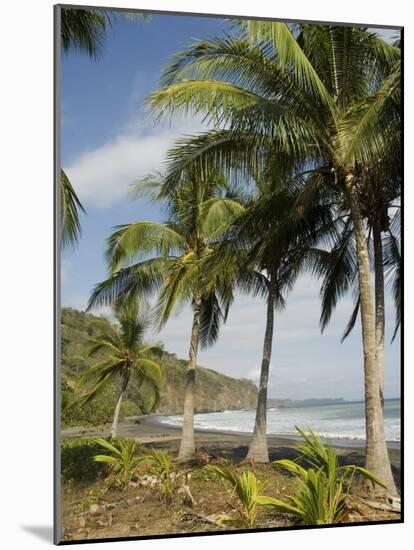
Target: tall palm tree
(169, 256)
(382, 193)
(338, 266)
(263, 253)
(122, 353)
(318, 94)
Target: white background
(26, 298)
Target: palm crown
(169, 255)
(321, 104)
(126, 355)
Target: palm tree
(381, 196)
(69, 211)
(85, 29)
(338, 266)
(317, 95)
(169, 256)
(263, 253)
(121, 353)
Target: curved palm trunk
(377, 459)
(187, 445)
(258, 447)
(379, 305)
(124, 384)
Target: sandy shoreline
(150, 431)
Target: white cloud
(103, 176)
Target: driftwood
(193, 516)
(188, 497)
(185, 490)
(393, 505)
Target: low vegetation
(322, 488)
(120, 457)
(161, 465)
(246, 491)
(134, 486)
(77, 461)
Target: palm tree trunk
(377, 459)
(258, 450)
(379, 305)
(124, 384)
(187, 445)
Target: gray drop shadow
(43, 532)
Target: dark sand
(151, 432)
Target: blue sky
(108, 140)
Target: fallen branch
(193, 516)
(396, 508)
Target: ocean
(341, 423)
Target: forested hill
(214, 391)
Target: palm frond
(140, 279)
(83, 30)
(101, 345)
(100, 384)
(393, 272)
(211, 318)
(181, 282)
(337, 268)
(148, 370)
(371, 127)
(217, 214)
(70, 206)
(152, 350)
(352, 320)
(291, 56)
(140, 239)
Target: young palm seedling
(246, 489)
(121, 458)
(164, 469)
(322, 489)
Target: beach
(151, 431)
(139, 511)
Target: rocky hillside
(214, 391)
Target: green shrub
(246, 492)
(161, 466)
(322, 489)
(101, 411)
(120, 457)
(77, 460)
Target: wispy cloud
(103, 175)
